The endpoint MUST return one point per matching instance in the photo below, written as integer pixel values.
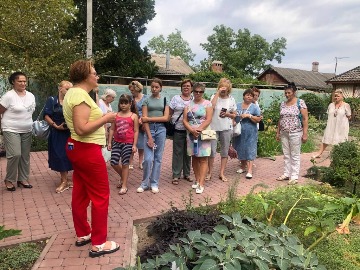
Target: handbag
(237, 129)
(106, 153)
(206, 134)
(41, 128)
(170, 127)
(261, 125)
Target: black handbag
(170, 127)
(261, 125)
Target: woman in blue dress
(246, 143)
(59, 133)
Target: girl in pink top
(123, 136)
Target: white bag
(41, 129)
(106, 153)
(237, 129)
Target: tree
(32, 39)
(117, 26)
(242, 54)
(175, 43)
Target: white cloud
(315, 30)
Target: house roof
(352, 75)
(303, 78)
(177, 65)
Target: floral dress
(199, 112)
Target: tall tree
(242, 54)
(32, 38)
(175, 43)
(117, 26)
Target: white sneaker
(155, 190)
(248, 176)
(199, 190)
(140, 190)
(240, 171)
(195, 185)
(292, 182)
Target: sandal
(101, 251)
(282, 178)
(187, 178)
(119, 185)
(208, 177)
(62, 187)
(123, 191)
(131, 167)
(85, 240)
(223, 178)
(175, 181)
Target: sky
(315, 30)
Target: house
(348, 81)
(171, 67)
(303, 79)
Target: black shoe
(19, 183)
(10, 188)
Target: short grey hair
(108, 92)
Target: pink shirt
(124, 129)
(289, 117)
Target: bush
(170, 227)
(315, 104)
(344, 167)
(268, 146)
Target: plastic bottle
(196, 147)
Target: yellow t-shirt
(74, 97)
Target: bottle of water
(196, 147)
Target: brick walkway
(41, 213)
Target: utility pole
(336, 61)
(89, 26)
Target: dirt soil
(143, 239)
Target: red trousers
(91, 183)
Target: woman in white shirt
(224, 106)
(17, 107)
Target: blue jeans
(153, 157)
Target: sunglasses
(199, 92)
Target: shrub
(344, 167)
(268, 146)
(168, 228)
(315, 104)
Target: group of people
(81, 125)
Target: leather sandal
(175, 181)
(101, 251)
(187, 178)
(84, 240)
(123, 191)
(62, 187)
(282, 178)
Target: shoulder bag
(41, 128)
(206, 134)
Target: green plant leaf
(310, 230)
(222, 229)
(209, 264)
(227, 218)
(283, 264)
(193, 235)
(229, 266)
(261, 265)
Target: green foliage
(268, 146)
(272, 113)
(315, 104)
(242, 54)
(32, 38)
(237, 244)
(341, 251)
(22, 256)
(8, 233)
(117, 26)
(175, 43)
(344, 168)
(354, 104)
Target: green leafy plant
(21, 256)
(316, 105)
(344, 168)
(237, 244)
(8, 233)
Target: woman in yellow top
(85, 120)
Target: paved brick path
(41, 213)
